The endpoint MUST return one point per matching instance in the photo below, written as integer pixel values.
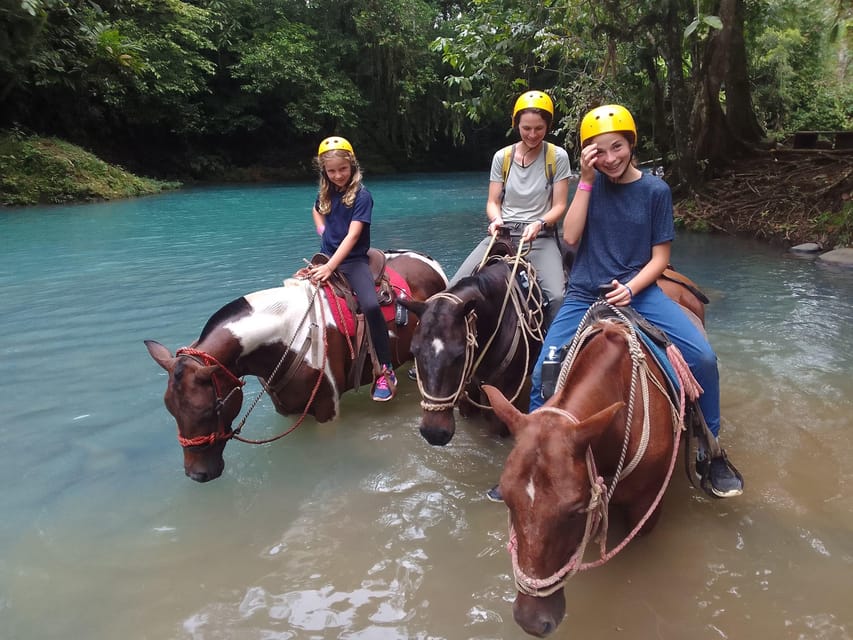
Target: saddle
(340, 289)
(376, 262)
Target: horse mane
(484, 281)
(234, 309)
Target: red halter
(224, 433)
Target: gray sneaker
(494, 494)
(719, 477)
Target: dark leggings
(358, 274)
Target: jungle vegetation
(200, 88)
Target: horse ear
(206, 373)
(504, 409)
(161, 354)
(592, 427)
(415, 306)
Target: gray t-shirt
(528, 194)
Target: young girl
(621, 221)
(527, 195)
(342, 216)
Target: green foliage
(223, 78)
(837, 224)
(504, 48)
(795, 68)
(37, 170)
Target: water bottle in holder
(551, 371)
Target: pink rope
(688, 384)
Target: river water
(358, 528)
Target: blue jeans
(666, 314)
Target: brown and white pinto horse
(485, 329)
(605, 442)
(287, 331)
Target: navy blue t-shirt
(623, 223)
(338, 221)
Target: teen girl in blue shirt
(621, 221)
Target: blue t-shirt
(623, 223)
(338, 221)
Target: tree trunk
(707, 120)
(673, 54)
(716, 141)
(740, 112)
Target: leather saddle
(362, 345)
(376, 262)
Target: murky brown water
(359, 529)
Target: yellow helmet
(334, 142)
(533, 100)
(607, 119)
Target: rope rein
(530, 326)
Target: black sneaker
(413, 375)
(719, 477)
(494, 494)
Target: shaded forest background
(244, 89)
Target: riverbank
(784, 196)
(38, 170)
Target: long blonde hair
(324, 197)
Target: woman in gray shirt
(528, 192)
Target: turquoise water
(358, 529)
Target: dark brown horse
(485, 329)
(604, 443)
(458, 325)
(288, 338)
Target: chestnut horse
(606, 439)
(288, 338)
(485, 329)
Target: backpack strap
(509, 152)
(550, 163)
(550, 166)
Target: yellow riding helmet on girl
(335, 142)
(533, 100)
(609, 118)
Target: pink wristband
(584, 186)
(321, 229)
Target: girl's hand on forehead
(589, 157)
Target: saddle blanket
(342, 314)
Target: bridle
(472, 362)
(224, 432)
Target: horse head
(547, 489)
(204, 397)
(443, 349)
(483, 329)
